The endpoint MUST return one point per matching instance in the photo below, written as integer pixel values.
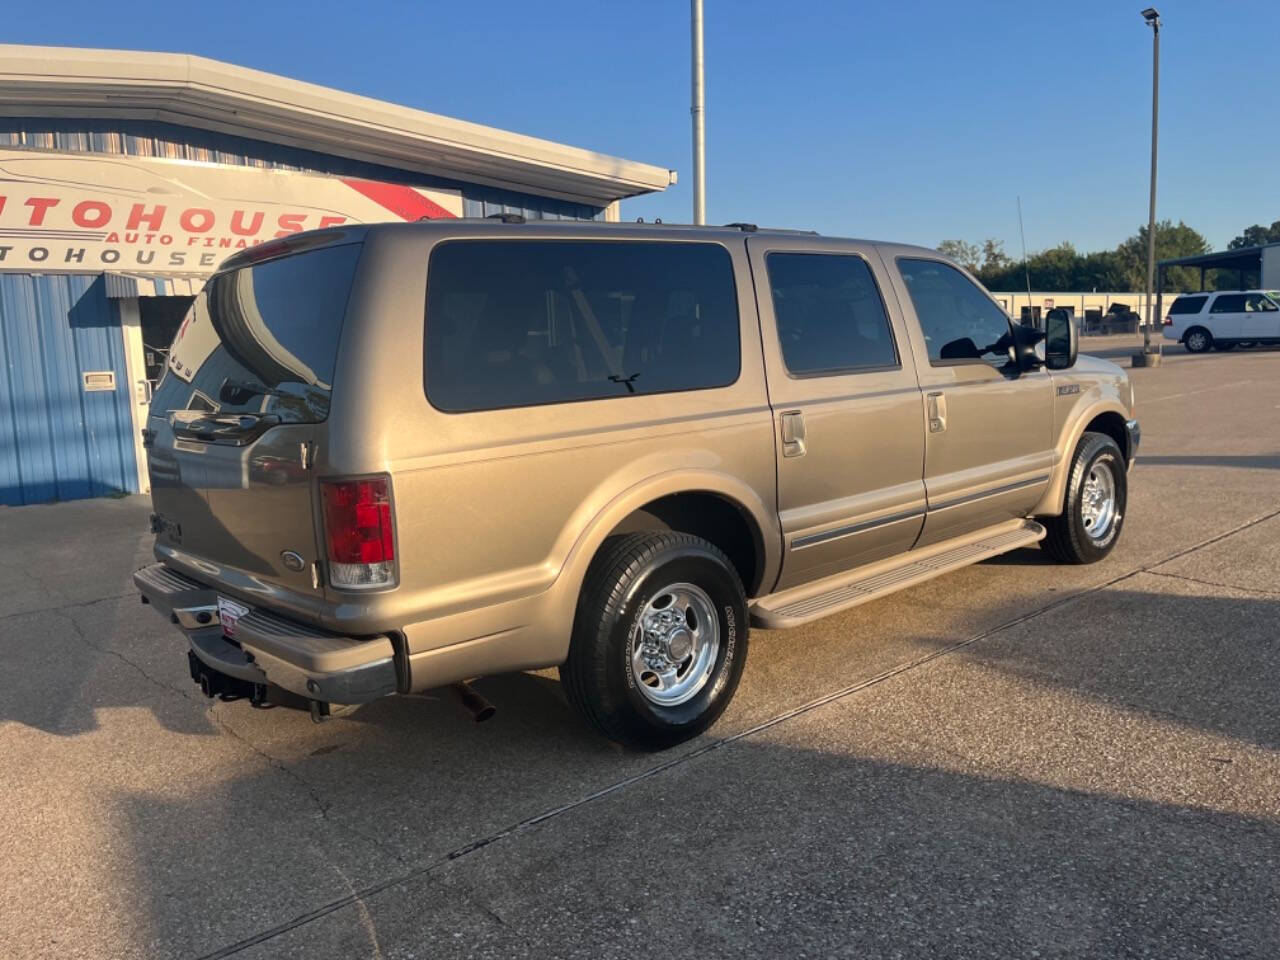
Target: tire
(1074, 535)
(1223, 345)
(1197, 340)
(607, 676)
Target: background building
(126, 177)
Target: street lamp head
(1152, 16)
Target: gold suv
(389, 458)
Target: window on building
(830, 316)
(960, 322)
(515, 323)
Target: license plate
(229, 612)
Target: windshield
(263, 339)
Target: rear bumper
(268, 648)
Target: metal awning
(208, 94)
(1244, 260)
(125, 286)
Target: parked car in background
(389, 458)
(1223, 319)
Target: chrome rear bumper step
(811, 601)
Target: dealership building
(126, 177)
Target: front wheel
(659, 640)
(1094, 505)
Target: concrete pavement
(1016, 760)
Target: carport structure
(1256, 267)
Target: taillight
(1168, 320)
(358, 532)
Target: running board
(810, 601)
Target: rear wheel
(1094, 504)
(659, 640)
(1198, 340)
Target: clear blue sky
(905, 121)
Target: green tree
(994, 258)
(1256, 236)
(966, 254)
(1172, 240)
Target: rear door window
(263, 339)
(516, 323)
(961, 324)
(1228, 303)
(830, 316)
(1188, 305)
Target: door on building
(65, 427)
(160, 319)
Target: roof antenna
(1026, 268)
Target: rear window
(1188, 305)
(263, 339)
(515, 323)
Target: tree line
(1064, 269)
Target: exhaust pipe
(476, 705)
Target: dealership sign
(95, 212)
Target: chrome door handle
(937, 412)
(793, 434)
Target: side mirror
(1061, 340)
(1028, 348)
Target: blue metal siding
(58, 442)
(150, 138)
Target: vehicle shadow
(874, 841)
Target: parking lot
(1018, 759)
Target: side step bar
(811, 601)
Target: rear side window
(960, 322)
(1188, 305)
(263, 339)
(1228, 303)
(516, 323)
(830, 316)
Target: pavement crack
(1214, 583)
(62, 608)
(79, 635)
(312, 792)
(432, 866)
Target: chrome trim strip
(809, 540)
(1007, 488)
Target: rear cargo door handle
(937, 404)
(793, 434)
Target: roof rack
(506, 217)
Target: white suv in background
(1223, 319)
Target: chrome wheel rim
(1196, 341)
(674, 644)
(1098, 501)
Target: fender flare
(1050, 504)
(759, 516)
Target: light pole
(1150, 356)
(698, 110)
